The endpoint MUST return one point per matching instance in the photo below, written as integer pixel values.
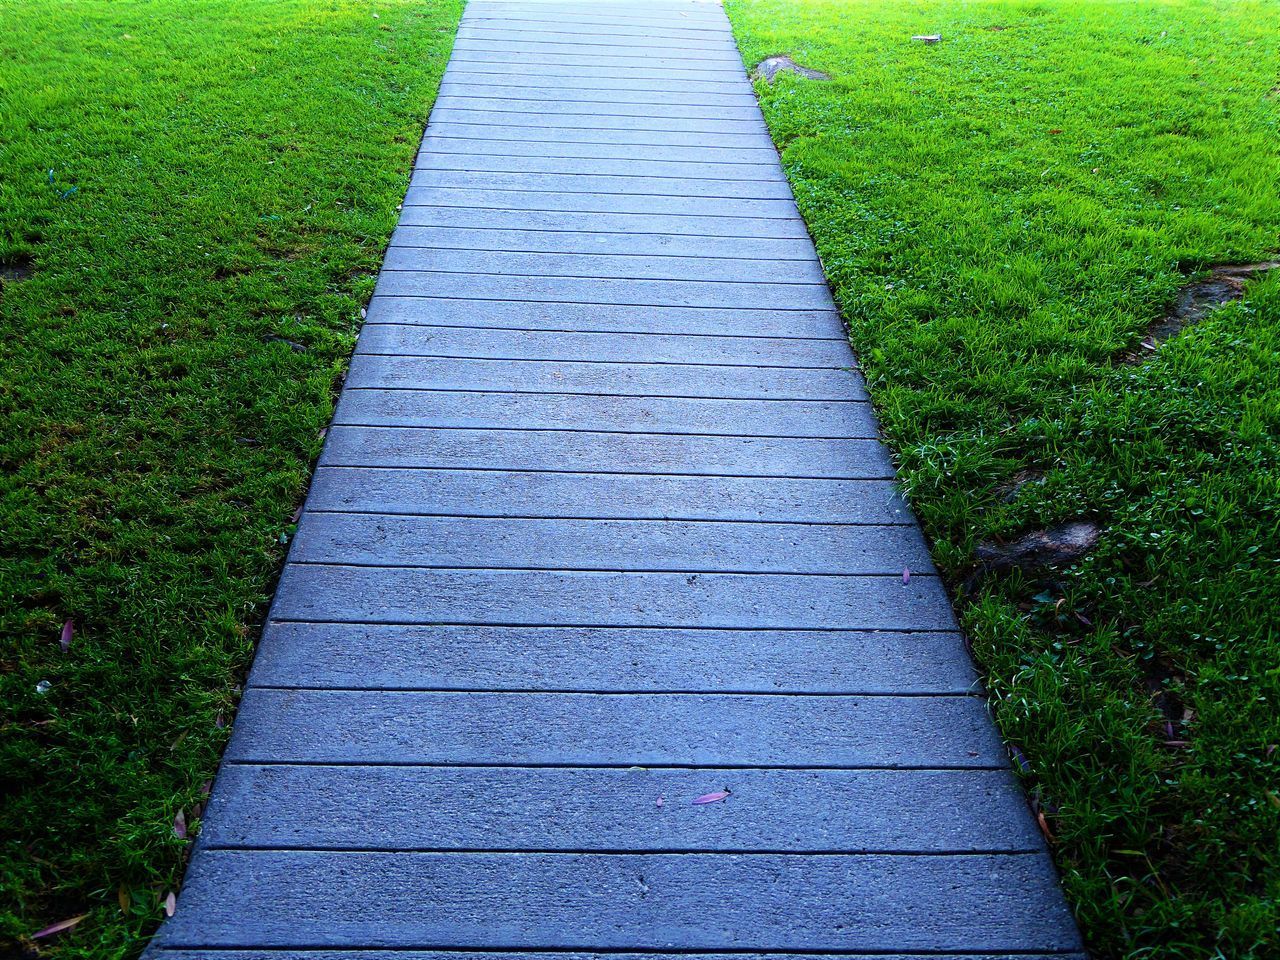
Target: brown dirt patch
(1041, 548)
(1223, 285)
(17, 267)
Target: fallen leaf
(1044, 826)
(1055, 131)
(123, 898)
(170, 903)
(711, 798)
(180, 825)
(68, 631)
(1021, 758)
(56, 928)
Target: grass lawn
(200, 193)
(1001, 215)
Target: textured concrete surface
(602, 527)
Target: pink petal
(906, 575)
(661, 801)
(170, 904)
(68, 631)
(711, 797)
(180, 825)
(55, 928)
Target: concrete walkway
(602, 527)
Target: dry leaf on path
(711, 798)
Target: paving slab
(491, 900)
(406, 340)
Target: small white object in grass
(928, 37)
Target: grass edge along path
(1001, 215)
(196, 199)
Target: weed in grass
(1002, 215)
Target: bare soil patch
(17, 267)
(1041, 548)
(1223, 285)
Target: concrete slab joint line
(603, 527)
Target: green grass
(1001, 215)
(198, 186)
